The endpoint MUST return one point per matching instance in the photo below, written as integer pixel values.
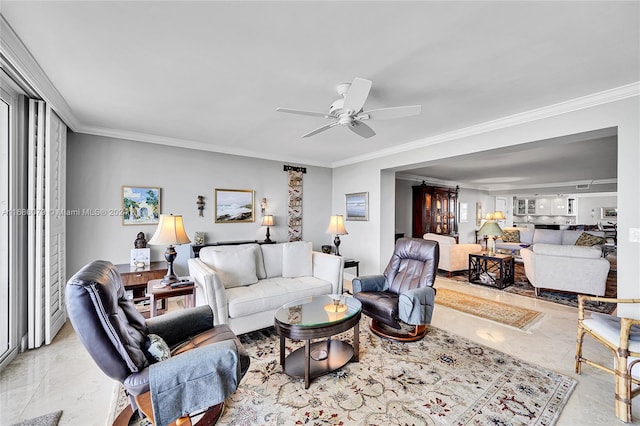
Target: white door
(501, 206)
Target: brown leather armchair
(404, 293)
(205, 365)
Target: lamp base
(268, 239)
(336, 242)
(170, 255)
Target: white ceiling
(209, 75)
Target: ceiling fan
(347, 111)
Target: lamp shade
(490, 228)
(170, 231)
(498, 215)
(336, 225)
(267, 220)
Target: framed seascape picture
(357, 206)
(608, 213)
(140, 205)
(234, 205)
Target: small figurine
(140, 241)
(200, 204)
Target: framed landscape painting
(357, 206)
(234, 205)
(140, 205)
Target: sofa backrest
(569, 237)
(547, 236)
(443, 240)
(526, 234)
(245, 264)
(567, 251)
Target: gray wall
(98, 167)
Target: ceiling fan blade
(361, 129)
(311, 113)
(320, 129)
(357, 95)
(392, 112)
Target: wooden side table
(496, 270)
(136, 279)
(156, 291)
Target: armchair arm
(369, 283)
(175, 327)
(209, 290)
(415, 306)
(329, 268)
(193, 380)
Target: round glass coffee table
(318, 317)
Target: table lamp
(170, 231)
(336, 227)
(267, 220)
(492, 230)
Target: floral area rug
(443, 379)
(513, 316)
(522, 287)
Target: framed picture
(464, 207)
(142, 255)
(478, 213)
(234, 205)
(140, 205)
(608, 213)
(357, 206)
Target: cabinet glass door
(531, 206)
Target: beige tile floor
(62, 376)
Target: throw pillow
(586, 239)
(156, 349)
(236, 267)
(272, 255)
(511, 236)
(296, 260)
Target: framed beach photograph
(234, 205)
(357, 206)
(608, 213)
(140, 205)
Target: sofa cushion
(511, 236)
(567, 251)
(297, 259)
(272, 255)
(586, 239)
(272, 293)
(206, 254)
(547, 236)
(235, 267)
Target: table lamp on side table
(336, 227)
(492, 230)
(170, 231)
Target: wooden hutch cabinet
(435, 210)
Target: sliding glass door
(6, 313)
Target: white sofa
(453, 256)
(577, 269)
(245, 284)
(533, 236)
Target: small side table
(155, 293)
(352, 263)
(495, 271)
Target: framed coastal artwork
(140, 205)
(357, 207)
(234, 205)
(608, 213)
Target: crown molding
(15, 53)
(200, 146)
(588, 101)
